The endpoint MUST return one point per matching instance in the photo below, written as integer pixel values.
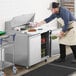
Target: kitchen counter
(39, 30)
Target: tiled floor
(23, 70)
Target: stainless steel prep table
(27, 45)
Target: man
(67, 36)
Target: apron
(70, 36)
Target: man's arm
(47, 20)
(66, 21)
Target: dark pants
(63, 51)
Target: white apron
(70, 36)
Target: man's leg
(62, 51)
(74, 52)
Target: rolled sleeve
(66, 21)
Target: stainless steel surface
(21, 53)
(34, 49)
(22, 19)
(28, 50)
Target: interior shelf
(44, 44)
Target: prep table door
(34, 49)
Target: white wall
(11, 8)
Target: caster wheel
(45, 60)
(14, 69)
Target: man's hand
(40, 23)
(61, 34)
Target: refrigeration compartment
(44, 44)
